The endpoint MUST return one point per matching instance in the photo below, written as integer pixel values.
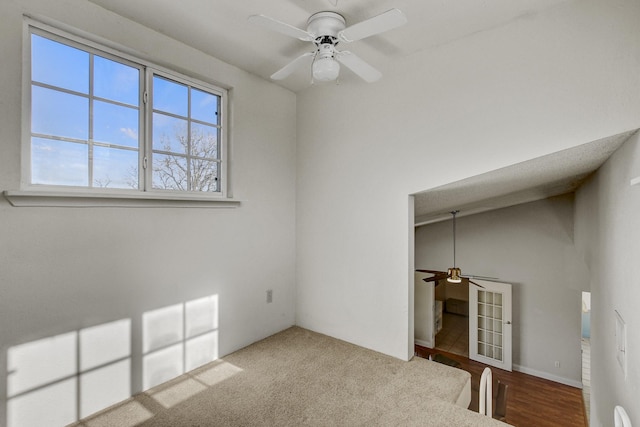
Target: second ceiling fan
(453, 274)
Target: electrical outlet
(557, 363)
(269, 296)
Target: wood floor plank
(531, 401)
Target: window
(100, 121)
(185, 137)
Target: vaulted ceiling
(552, 175)
(220, 28)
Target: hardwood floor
(531, 401)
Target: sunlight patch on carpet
(169, 395)
(217, 373)
(128, 414)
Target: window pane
(116, 81)
(59, 114)
(204, 106)
(58, 162)
(170, 96)
(59, 65)
(169, 134)
(115, 168)
(115, 124)
(169, 172)
(204, 141)
(204, 175)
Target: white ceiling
(552, 175)
(220, 28)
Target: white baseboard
(547, 376)
(525, 370)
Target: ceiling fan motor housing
(323, 24)
(325, 51)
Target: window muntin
(88, 122)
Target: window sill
(137, 200)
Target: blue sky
(64, 112)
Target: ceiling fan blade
(281, 27)
(436, 282)
(378, 24)
(292, 66)
(435, 278)
(431, 271)
(473, 276)
(365, 71)
(474, 283)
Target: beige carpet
(298, 377)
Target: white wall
(65, 269)
(608, 238)
(539, 84)
(530, 246)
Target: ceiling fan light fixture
(325, 69)
(454, 275)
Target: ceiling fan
(453, 274)
(327, 29)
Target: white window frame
(53, 195)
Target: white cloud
(131, 133)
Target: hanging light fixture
(454, 273)
(325, 68)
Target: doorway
(586, 350)
(476, 325)
(453, 337)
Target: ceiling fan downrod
(454, 213)
(454, 273)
